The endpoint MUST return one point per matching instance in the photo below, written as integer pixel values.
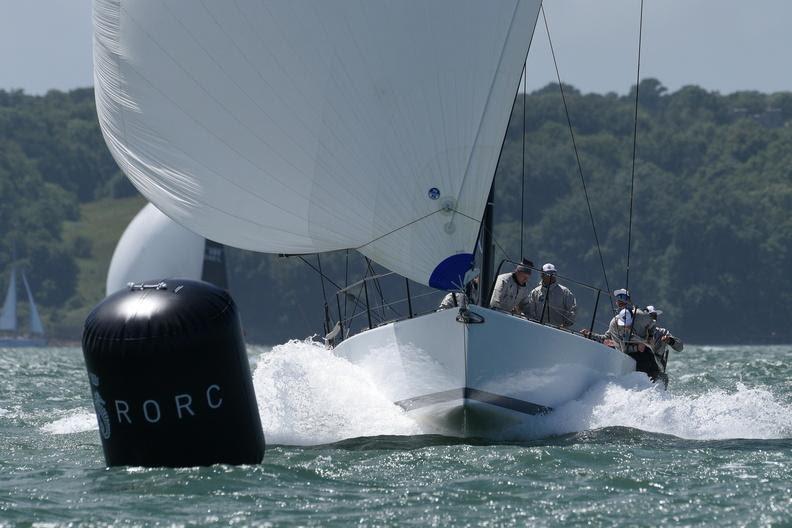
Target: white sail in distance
(36, 327)
(154, 247)
(302, 126)
(8, 317)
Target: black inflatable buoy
(170, 377)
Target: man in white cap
(511, 289)
(550, 302)
(662, 338)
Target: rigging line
(348, 321)
(408, 224)
(635, 145)
(577, 155)
(359, 303)
(522, 187)
(376, 285)
(321, 276)
(491, 233)
(346, 282)
(379, 290)
(318, 271)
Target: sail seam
(487, 104)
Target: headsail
(8, 317)
(154, 247)
(306, 126)
(36, 327)
(214, 265)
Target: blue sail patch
(450, 273)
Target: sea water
(716, 449)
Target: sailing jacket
(627, 338)
(559, 309)
(454, 299)
(660, 348)
(508, 295)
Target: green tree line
(712, 229)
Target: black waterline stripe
(506, 402)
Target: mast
(487, 264)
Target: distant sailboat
(10, 335)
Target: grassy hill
(94, 237)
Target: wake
(308, 396)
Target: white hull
(479, 379)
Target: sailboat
(313, 126)
(154, 247)
(10, 335)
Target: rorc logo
(152, 411)
(102, 415)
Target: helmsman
(511, 289)
(551, 302)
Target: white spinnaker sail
(154, 247)
(8, 317)
(35, 321)
(299, 126)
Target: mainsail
(8, 317)
(35, 321)
(302, 126)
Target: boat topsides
(435, 361)
(521, 359)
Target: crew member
(662, 339)
(461, 299)
(551, 302)
(511, 289)
(631, 331)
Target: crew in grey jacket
(631, 332)
(461, 299)
(551, 302)
(511, 289)
(662, 338)
(630, 328)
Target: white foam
(77, 421)
(632, 401)
(307, 395)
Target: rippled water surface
(716, 449)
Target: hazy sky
(724, 45)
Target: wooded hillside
(712, 228)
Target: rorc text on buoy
(151, 410)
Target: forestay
(295, 126)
